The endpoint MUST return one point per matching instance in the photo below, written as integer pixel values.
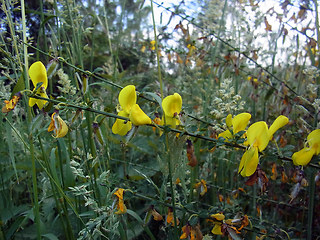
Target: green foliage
(222, 57)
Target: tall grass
(67, 188)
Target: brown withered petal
(274, 171)
(190, 154)
(156, 216)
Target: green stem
(35, 188)
(157, 51)
(311, 204)
(317, 24)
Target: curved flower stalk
(258, 137)
(312, 147)
(129, 109)
(38, 74)
(171, 106)
(57, 125)
(236, 124)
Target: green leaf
(50, 236)
(69, 177)
(19, 86)
(148, 180)
(53, 166)
(193, 221)
(138, 218)
(154, 96)
(52, 68)
(10, 147)
(135, 215)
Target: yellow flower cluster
(130, 109)
(258, 137)
(258, 134)
(312, 147)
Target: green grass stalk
(29, 119)
(317, 26)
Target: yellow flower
(258, 137)
(219, 217)
(237, 124)
(130, 109)
(57, 125)
(304, 156)
(203, 187)
(120, 203)
(11, 104)
(153, 45)
(171, 106)
(38, 74)
(170, 219)
(278, 123)
(189, 232)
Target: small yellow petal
(138, 117)
(250, 161)
(38, 73)
(226, 135)
(247, 156)
(303, 157)
(172, 105)
(170, 121)
(314, 140)
(257, 135)
(127, 98)
(51, 126)
(40, 102)
(57, 125)
(121, 127)
(278, 123)
(216, 229)
(229, 121)
(218, 216)
(240, 122)
(63, 128)
(119, 193)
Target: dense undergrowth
(147, 120)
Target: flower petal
(218, 216)
(121, 127)
(38, 73)
(251, 160)
(257, 135)
(278, 123)
(119, 193)
(229, 121)
(172, 105)
(303, 157)
(226, 134)
(314, 140)
(127, 98)
(63, 128)
(40, 102)
(216, 229)
(138, 117)
(52, 126)
(170, 121)
(240, 122)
